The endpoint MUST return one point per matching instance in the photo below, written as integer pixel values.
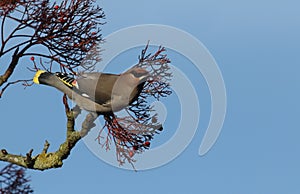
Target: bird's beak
(37, 75)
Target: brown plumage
(98, 92)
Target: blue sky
(256, 45)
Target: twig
(25, 83)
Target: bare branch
(24, 83)
(68, 31)
(13, 180)
(11, 67)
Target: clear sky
(256, 45)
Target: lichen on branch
(45, 160)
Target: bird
(103, 93)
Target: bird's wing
(97, 86)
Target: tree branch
(69, 30)
(25, 83)
(13, 179)
(11, 67)
(55, 159)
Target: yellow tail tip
(37, 75)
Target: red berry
(147, 144)
(131, 153)
(32, 58)
(135, 147)
(56, 7)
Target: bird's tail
(37, 75)
(63, 77)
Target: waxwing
(98, 92)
